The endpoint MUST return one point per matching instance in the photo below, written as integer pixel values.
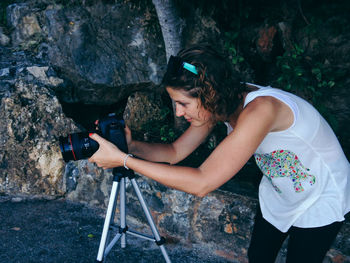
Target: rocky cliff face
(31, 121)
(100, 48)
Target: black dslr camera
(77, 146)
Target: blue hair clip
(190, 67)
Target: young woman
(305, 191)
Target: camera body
(77, 146)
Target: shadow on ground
(61, 231)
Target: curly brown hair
(218, 86)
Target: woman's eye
(181, 104)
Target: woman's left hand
(108, 155)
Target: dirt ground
(61, 231)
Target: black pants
(308, 245)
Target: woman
(303, 193)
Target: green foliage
(293, 74)
(167, 133)
(231, 37)
(161, 131)
(310, 79)
(232, 47)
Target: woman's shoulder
(269, 109)
(262, 103)
(260, 107)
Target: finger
(95, 137)
(127, 130)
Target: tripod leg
(159, 240)
(108, 220)
(122, 211)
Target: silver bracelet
(126, 158)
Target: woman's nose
(179, 111)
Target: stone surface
(4, 39)
(24, 21)
(143, 108)
(41, 74)
(31, 120)
(103, 49)
(87, 183)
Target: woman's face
(188, 107)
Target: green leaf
(331, 84)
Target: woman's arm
(253, 124)
(169, 153)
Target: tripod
(119, 181)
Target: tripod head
(121, 172)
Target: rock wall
(99, 48)
(31, 119)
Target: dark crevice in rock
(85, 115)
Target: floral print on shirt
(284, 163)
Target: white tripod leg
(122, 212)
(108, 220)
(159, 241)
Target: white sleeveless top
(305, 182)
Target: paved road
(61, 231)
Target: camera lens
(77, 146)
